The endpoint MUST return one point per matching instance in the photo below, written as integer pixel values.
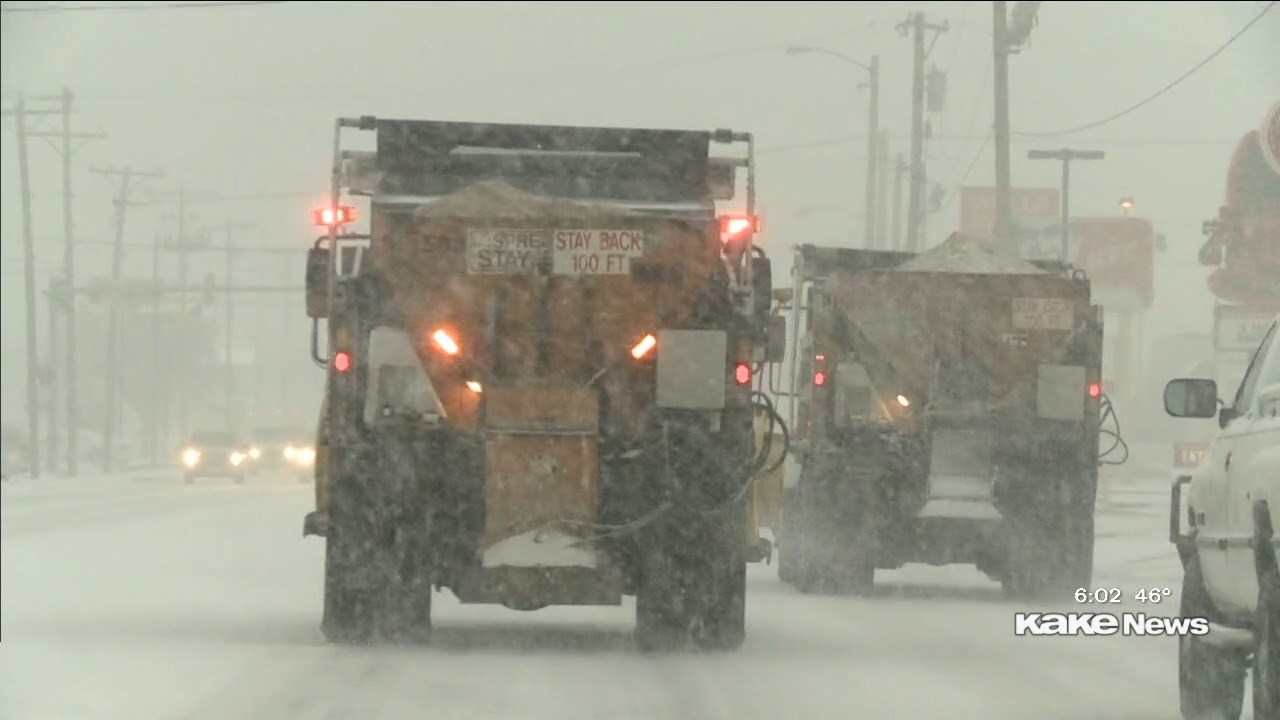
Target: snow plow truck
(540, 375)
(947, 412)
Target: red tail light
(342, 361)
(735, 226)
(819, 378)
(333, 216)
(1095, 391)
(742, 374)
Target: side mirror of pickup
(1192, 398)
(317, 285)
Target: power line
(49, 8)
(1162, 90)
(968, 138)
(964, 177)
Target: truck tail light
(644, 347)
(733, 227)
(445, 342)
(819, 378)
(342, 361)
(1095, 391)
(742, 374)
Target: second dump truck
(540, 375)
(947, 412)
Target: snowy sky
(240, 101)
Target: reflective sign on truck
(596, 252)
(508, 251)
(570, 251)
(1043, 314)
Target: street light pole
(873, 151)
(1066, 156)
(873, 130)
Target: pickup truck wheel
(1210, 679)
(1266, 652)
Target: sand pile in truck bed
(968, 254)
(498, 200)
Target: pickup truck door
(1250, 434)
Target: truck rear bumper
(533, 588)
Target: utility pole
(20, 113)
(900, 170)
(160, 381)
(1066, 156)
(231, 372)
(873, 131)
(122, 202)
(1004, 43)
(70, 380)
(882, 191)
(916, 23)
(53, 298)
(1003, 230)
(184, 241)
(873, 140)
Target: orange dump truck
(542, 368)
(947, 411)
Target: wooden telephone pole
(70, 381)
(917, 26)
(122, 202)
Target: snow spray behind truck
(948, 411)
(539, 377)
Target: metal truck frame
(657, 439)
(1010, 489)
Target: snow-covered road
(133, 598)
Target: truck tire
(1047, 558)
(1210, 679)
(1266, 651)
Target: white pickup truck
(1225, 533)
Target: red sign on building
(978, 208)
(1118, 253)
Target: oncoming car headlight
(190, 457)
(237, 458)
(306, 456)
(290, 453)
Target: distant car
(276, 449)
(1228, 542)
(215, 453)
